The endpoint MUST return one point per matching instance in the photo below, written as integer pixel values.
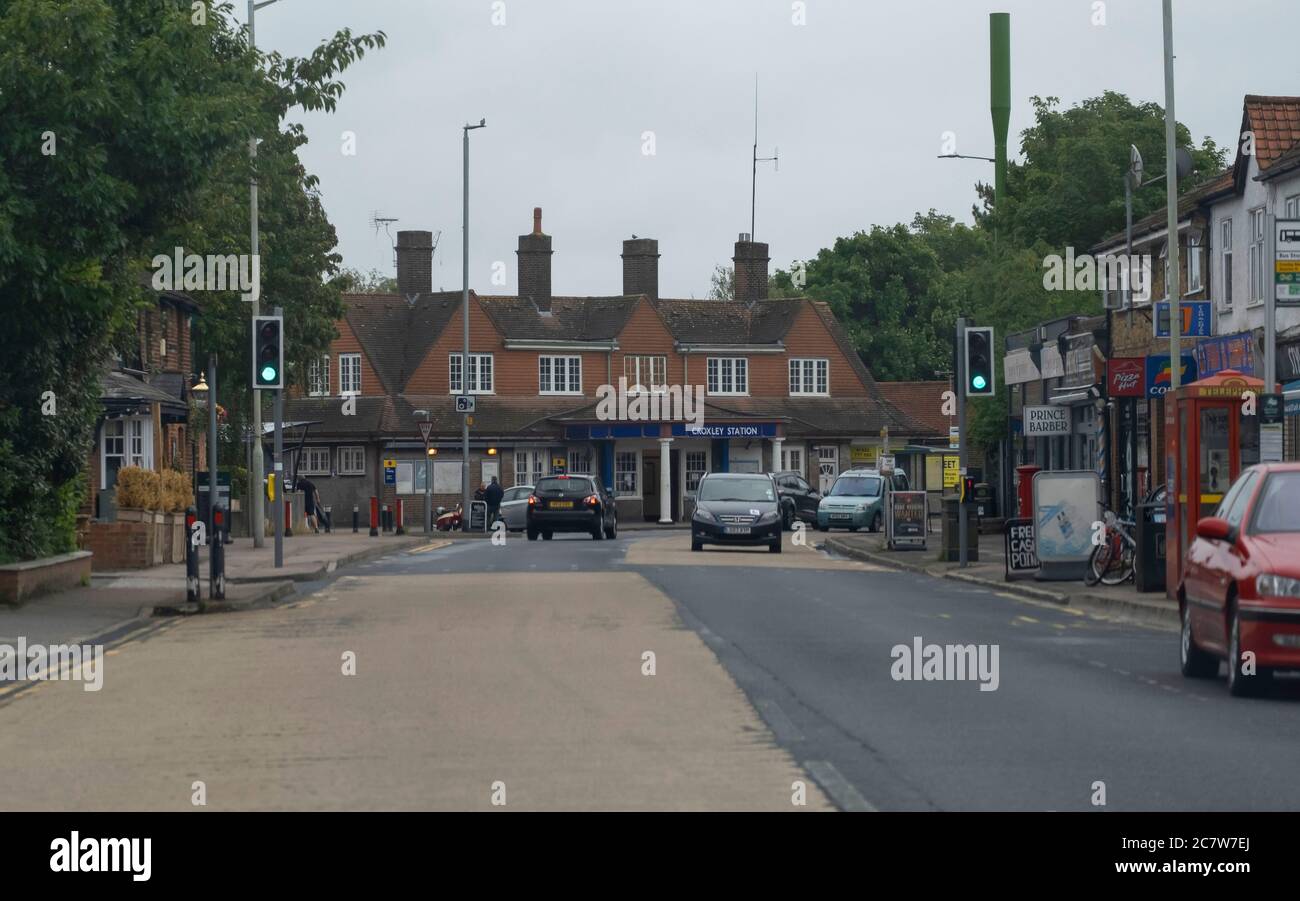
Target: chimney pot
(535, 264)
(641, 267)
(750, 272)
(414, 252)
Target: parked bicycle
(1112, 560)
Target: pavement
(1152, 607)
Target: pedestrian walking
(493, 495)
(310, 502)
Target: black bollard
(217, 557)
(355, 519)
(193, 591)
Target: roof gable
(396, 332)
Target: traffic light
(967, 490)
(268, 351)
(979, 362)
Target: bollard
(193, 593)
(354, 518)
(288, 518)
(374, 516)
(217, 558)
(401, 517)
(329, 519)
(388, 518)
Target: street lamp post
(464, 316)
(258, 473)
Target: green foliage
(355, 281)
(146, 114)
(1069, 189)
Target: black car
(736, 508)
(574, 503)
(799, 500)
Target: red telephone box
(1208, 441)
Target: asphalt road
(525, 665)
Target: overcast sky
(857, 99)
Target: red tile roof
(922, 401)
(1276, 124)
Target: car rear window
(556, 487)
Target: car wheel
(1241, 685)
(775, 546)
(598, 533)
(547, 536)
(532, 534)
(787, 518)
(1195, 663)
(875, 523)
(854, 528)
(697, 545)
(821, 528)
(613, 528)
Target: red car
(1240, 592)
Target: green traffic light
(979, 382)
(268, 373)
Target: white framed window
(1256, 256)
(1193, 264)
(626, 467)
(1292, 207)
(810, 376)
(646, 372)
(793, 459)
(728, 375)
(531, 465)
(349, 374)
(318, 376)
(480, 373)
(697, 464)
(315, 461)
(1225, 264)
(125, 442)
(559, 375)
(580, 462)
(352, 461)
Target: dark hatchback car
(799, 500)
(737, 508)
(574, 503)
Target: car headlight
(769, 516)
(1274, 586)
(862, 508)
(704, 515)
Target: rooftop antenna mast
(378, 222)
(775, 158)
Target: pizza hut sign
(1124, 377)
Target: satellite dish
(1183, 162)
(1134, 166)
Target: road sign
(1197, 322)
(886, 463)
(1286, 262)
(390, 476)
(425, 429)
(390, 463)
(954, 437)
(464, 403)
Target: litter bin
(951, 540)
(1149, 567)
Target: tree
(117, 121)
(722, 284)
(1069, 189)
(354, 281)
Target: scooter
(448, 520)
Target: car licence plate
(841, 516)
(736, 530)
(561, 505)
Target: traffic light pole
(277, 511)
(960, 366)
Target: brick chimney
(750, 270)
(414, 262)
(535, 265)
(641, 267)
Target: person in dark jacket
(493, 495)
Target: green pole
(1000, 96)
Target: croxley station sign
(735, 430)
(1043, 421)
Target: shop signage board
(1286, 262)
(1159, 373)
(1021, 556)
(1214, 355)
(1124, 376)
(1042, 422)
(1197, 321)
(907, 511)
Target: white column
(665, 482)
(776, 454)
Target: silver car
(514, 507)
